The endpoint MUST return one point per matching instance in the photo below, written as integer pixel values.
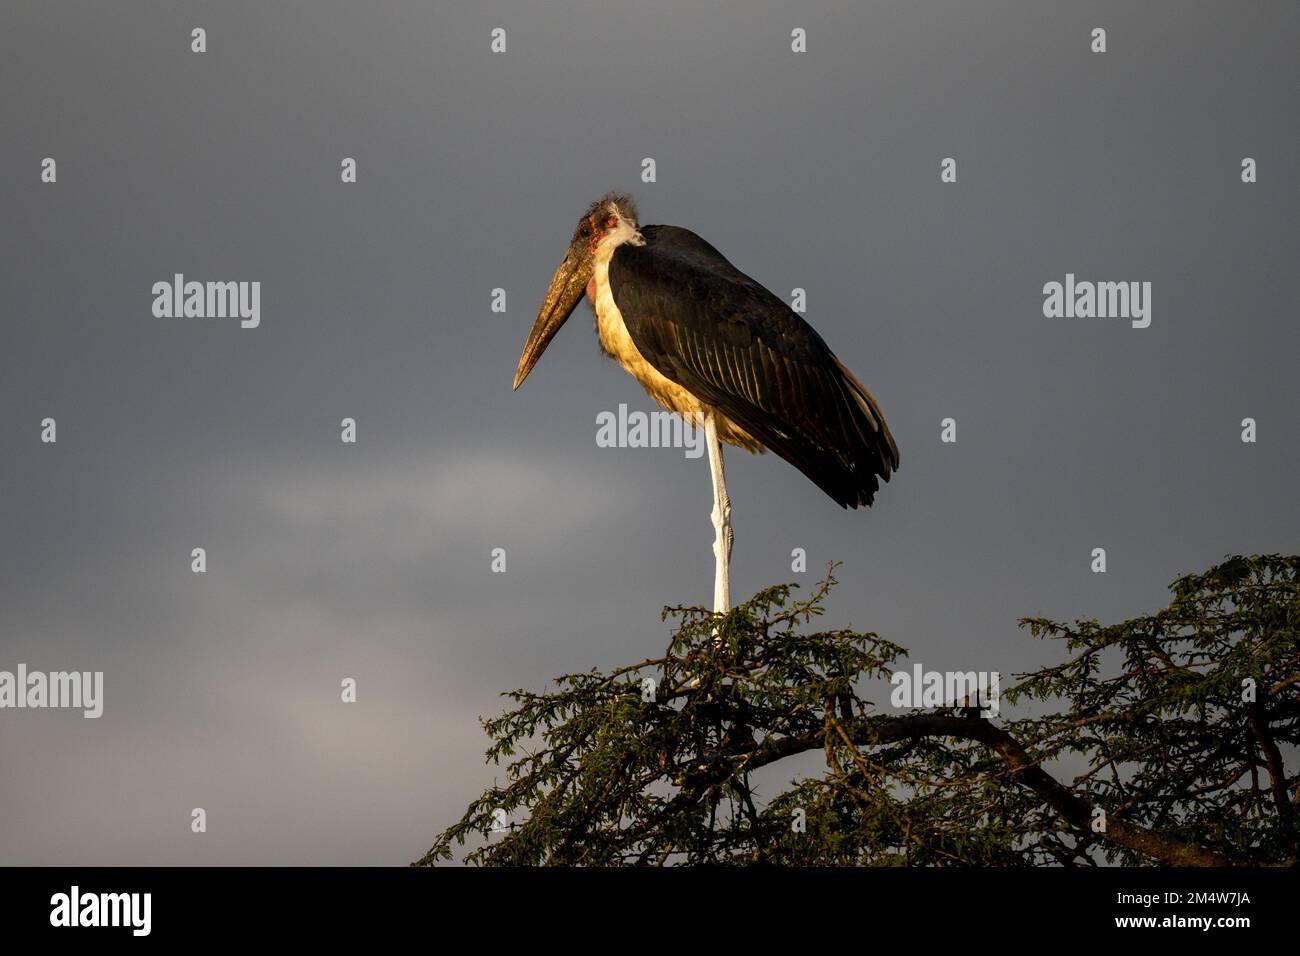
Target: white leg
(721, 516)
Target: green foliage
(1160, 708)
(1183, 765)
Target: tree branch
(1022, 767)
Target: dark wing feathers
(733, 344)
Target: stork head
(608, 223)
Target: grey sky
(817, 170)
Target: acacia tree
(1182, 726)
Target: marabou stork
(709, 343)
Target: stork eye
(584, 230)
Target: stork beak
(567, 287)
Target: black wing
(713, 330)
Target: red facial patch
(601, 229)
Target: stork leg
(721, 515)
